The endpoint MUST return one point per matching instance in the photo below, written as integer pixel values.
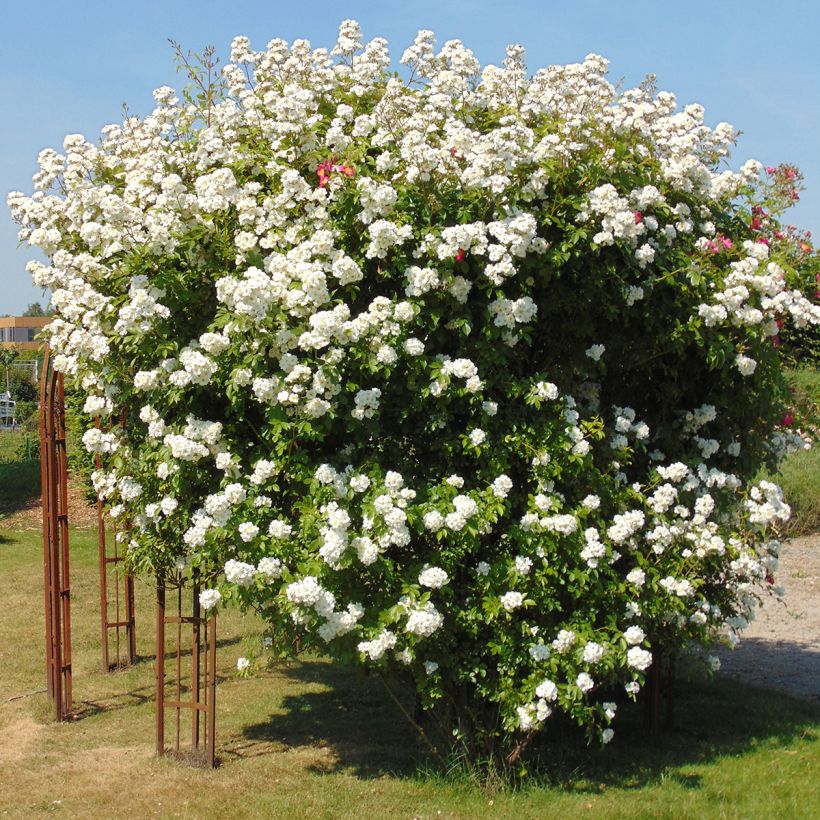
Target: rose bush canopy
(459, 372)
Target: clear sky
(69, 67)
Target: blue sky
(69, 67)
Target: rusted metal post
(56, 567)
(106, 665)
(45, 455)
(202, 690)
(64, 577)
(210, 693)
(130, 619)
(123, 615)
(160, 667)
(55, 628)
(195, 667)
(179, 667)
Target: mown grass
(13, 441)
(800, 479)
(19, 485)
(311, 739)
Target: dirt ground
(781, 647)
(82, 514)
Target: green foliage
(22, 386)
(799, 474)
(35, 309)
(801, 345)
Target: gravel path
(781, 647)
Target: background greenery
(800, 473)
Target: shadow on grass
(143, 694)
(185, 651)
(112, 703)
(353, 716)
(713, 719)
(20, 483)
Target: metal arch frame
(123, 582)
(201, 695)
(57, 598)
(56, 566)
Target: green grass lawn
(12, 442)
(19, 485)
(308, 739)
(799, 475)
(800, 479)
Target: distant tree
(35, 309)
(6, 359)
(21, 385)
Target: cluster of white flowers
(766, 504)
(512, 600)
(367, 403)
(756, 296)
(501, 486)
(209, 598)
(424, 621)
(240, 573)
(433, 577)
(639, 658)
(375, 648)
(625, 525)
(564, 641)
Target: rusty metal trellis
(57, 585)
(125, 646)
(199, 697)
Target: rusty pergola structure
(182, 687)
(200, 696)
(56, 576)
(192, 687)
(111, 563)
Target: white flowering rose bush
(463, 374)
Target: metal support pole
(195, 668)
(64, 576)
(106, 664)
(56, 568)
(45, 455)
(123, 615)
(130, 618)
(210, 693)
(160, 667)
(202, 702)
